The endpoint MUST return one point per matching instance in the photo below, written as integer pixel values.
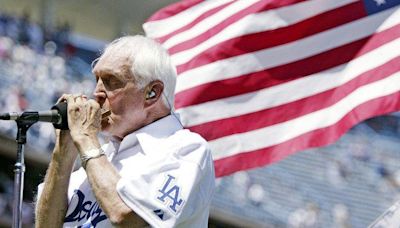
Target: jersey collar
(159, 129)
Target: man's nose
(100, 93)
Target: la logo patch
(170, 194)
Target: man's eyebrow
(94, 62)
(110, 74)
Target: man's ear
(153, 92)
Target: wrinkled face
(116, 91)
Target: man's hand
(84, 121)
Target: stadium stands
(322, 182)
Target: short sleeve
(39, 191)
(174, 192)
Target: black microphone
(57, 115)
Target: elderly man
(151, 172)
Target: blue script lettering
(86, 210)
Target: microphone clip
(62, 111)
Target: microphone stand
(24, 123)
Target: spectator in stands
(390, 181)
(3, 24)
(61, 36)
(6, 45)
(35, 33)
(338, 172)
(154, 172)
(341, 216)
(360, 149)
(23, 29)
(307, 217)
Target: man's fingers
(80, 107)
(95, 112)
(79, 98)
(94, 104)
(94, 108)
(63, 98)
(70, 99)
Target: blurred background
(46, 47)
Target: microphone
(57, 115)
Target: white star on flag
(380, 2)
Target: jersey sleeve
(175, 192)
(39, 191)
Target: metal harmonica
(105, 113)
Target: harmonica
(105, 113)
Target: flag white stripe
(159, 28)
(267, 58)
(273, 135)
(272, 97)
(205, 24)
(281, 17)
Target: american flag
(263, 79)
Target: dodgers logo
(88, 210)
(170, 194)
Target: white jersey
(167, 178)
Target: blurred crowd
(26, 32)
(36, 67)
(347, 184)
(34, 72)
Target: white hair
(149, 62)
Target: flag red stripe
(267, 78)
(194, 22)
(173, 9)
(257, 7)
(262, 40)
(317, 138)
(193, 96)
(279, 114)
(281, 74)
